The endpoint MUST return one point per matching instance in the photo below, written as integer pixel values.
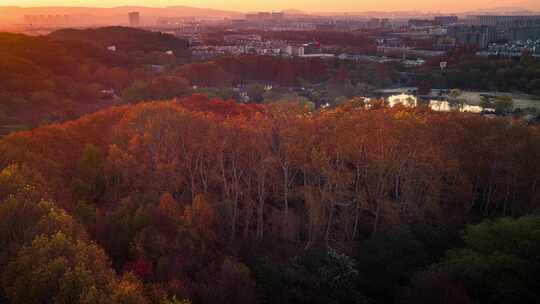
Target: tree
(22, 179)
(169, 206)
(503, 105)
(25, 213)
(200, 220)
(128, 291)
(159, 88)
(256, 92)
(534, 86)
(318, 275)
(59, 269)
(386, 262)
(230, 284)
(454, 94)
(499, 261)
(89, 183)
(434, 287)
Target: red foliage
(234, 70)
(141, 268)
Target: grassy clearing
(520, 100)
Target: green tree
(25, 211)
(504, 104)
(318, 275)
(500, 261)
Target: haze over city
(310, 6)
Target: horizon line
(515, 9)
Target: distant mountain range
(116, 15)
(413, 14)
(511, 10)
(149, 15)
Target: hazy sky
(308, 5)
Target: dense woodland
(470, 72)
(211, 201)
(126, 40)
(48, 79)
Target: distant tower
(134, 18)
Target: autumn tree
(58, 268)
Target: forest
(199, 200)
(471, 72)
(126, 39)
(46, 79)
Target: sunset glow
(315, 5)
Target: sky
(306, 5)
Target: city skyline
(313, 6)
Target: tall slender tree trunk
(261, 183)
(329, 225)
(285, 201)
(376, 220)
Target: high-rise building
(505, 22)
(509, 28)
(134, 18)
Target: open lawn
(521, 101)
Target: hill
(126, 39)
(60, 76)
(220, 202)
(42, 78)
